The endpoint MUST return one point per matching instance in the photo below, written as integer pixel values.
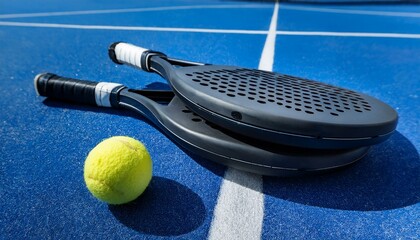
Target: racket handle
(77, 91)
(125, 53)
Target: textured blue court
(372, 48)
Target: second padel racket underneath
(269, 106)
(195, 134)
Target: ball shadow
(166, 208)
(387, 178)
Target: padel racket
(269, 106)
(195, 134)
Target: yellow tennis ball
(118, 170)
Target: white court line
(267, 55)
(352, 11)
(172, 8)
(129, 28)
(128, 10)
(350, 34)
(239, 212)
(206, 30)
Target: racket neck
(165, 66)
(162, 67)
(146, 103)
(159, 96)
(183, 63)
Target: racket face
(204, 139)
(284, 109)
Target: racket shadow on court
(166, 208)
(388, 177)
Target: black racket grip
(103, 94)
(66, 89)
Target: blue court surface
(370, 47)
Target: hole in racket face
(281, 91)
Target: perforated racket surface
(196, 135)
(270, 106)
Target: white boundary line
(172, 8)
(267, 55)
(206, 30)
(128, 10)
(350, 34)
(129, 28)
(239, 212)
(353, 11)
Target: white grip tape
(129, 54)
(103, 93)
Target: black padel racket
(269, 106)
(195, 134)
